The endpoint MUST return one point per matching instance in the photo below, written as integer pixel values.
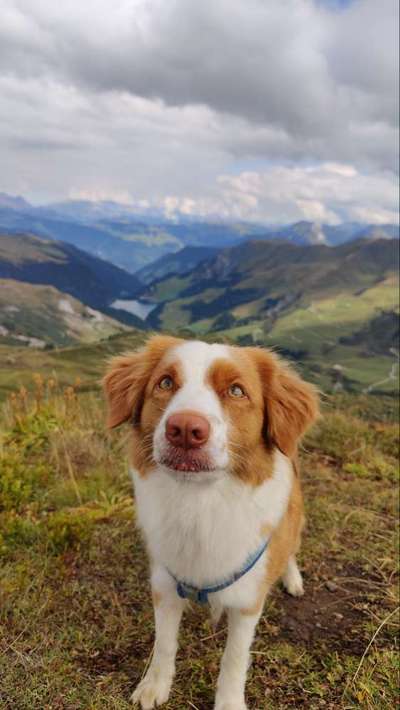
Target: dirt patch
(332, 613)
(325, 618)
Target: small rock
(331, 586)
(338, 616)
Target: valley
(323, 297)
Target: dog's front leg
(155, 687)
(235, 661)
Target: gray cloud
(159, 97)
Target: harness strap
(200, 595)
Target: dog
(213, 452)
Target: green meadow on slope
(95, 282)
(76, 625)
(332, 310)
(48, 317)
(313, 304)
(84, 361)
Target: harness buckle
(194, 595)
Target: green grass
(316, 331)
(169, 289)
(33, 310)
(329, 319)
(16, 250)
(64, 365)
(76, 625)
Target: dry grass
(76, 623)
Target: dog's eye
(166, 383)
(236, 391)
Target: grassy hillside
(332, 367)
(181, 262)
(329, 338)
(96, 283)
(84, 361)
(319, 306)
(76, 625)
(322, 307)
(42, 316)
(271, 277)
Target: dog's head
(203, 410)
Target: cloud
(158, 99)
(328, 193)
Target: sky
(269, 111)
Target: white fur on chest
(203, 533)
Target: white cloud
(323, 193)
(101, 195)
(373, 215)
(162, 101)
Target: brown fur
(128, 385)
(291, 405)
(156, 598)
(251, 461)
(127, 377)
(276, 410)
(285, 541)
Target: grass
(85, 361)
(33, 310)
(316, 331)
(76, 625)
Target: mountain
(301, 233)
(308, 233)
(86, 211)
(43, 316)
(132, 237)
(115, 233)
(315, 304)
(95, 240)
(179, 263)
(271, 276)
(380, 231)
(89, 279)
(14, 202)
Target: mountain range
(94, 282)
(133, 239)
(326, 297)
(326, 307)
(106, 230)
(265, 278)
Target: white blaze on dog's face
(203, 410)
(194, 413)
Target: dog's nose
(187, 430)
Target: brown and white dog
(214, 441)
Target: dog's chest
(203, 533)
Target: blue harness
(188, 591)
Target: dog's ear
(127, 376)
(290, 404)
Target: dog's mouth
(187, 461)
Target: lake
(141, 309)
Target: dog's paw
(153, 690)
(292, 580)
(230, 705)
(296, 589)
(294, 585)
